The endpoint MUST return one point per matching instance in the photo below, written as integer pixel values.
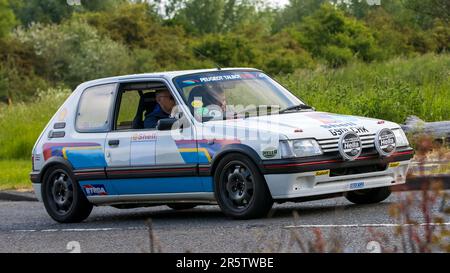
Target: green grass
(22, 123)
(14, 174)
(391, 90)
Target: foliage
(7, 18)
(75, 52)
(138, 27)
(215, 16)
(55, 11)
(328, 33)
(392, 90)
(294, 12)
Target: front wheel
(62, 196)
(240, 189)
(368, 196)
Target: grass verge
(14, 174)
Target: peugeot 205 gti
(232, 137)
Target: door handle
(113, 142)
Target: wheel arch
(54, 161)
(242, 149)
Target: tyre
(240, 189)
(368, 196)
(62, 196)
(181, 206)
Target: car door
(147, 160)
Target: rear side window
(95, 108)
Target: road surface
(26, 227)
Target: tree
(227, 50)
(75, 52)
(428, 10)
(215, 16)
(7, 18)
(139, 28)
(295, 11)
(330, 34)
(55, 11)
(45, 11)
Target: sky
(279, 3)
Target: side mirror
(165, 124)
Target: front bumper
(302, 179)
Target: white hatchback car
(232, 137)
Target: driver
(163, 108)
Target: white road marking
(79, 229)
(287, 227)
(367, 225)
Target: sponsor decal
(327, 119)
(203, 111)
(323, 172)
(356, 185)
(394, 164)
(350, 145)
(338, 132)
(339, 125)
(191, 81)
(143, 137)
(269, 152)
(248, 75)
(385, 142)
(197, 103)
(220, 78)
(95, 189)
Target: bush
(337, 56)
(138, 27)
(7, 18)
(75, 52)
(228, 50)
(331, 35)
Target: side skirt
(159, 198)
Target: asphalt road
(25, 227)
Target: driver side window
(141, 105)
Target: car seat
(147, 103)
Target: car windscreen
(232, 94)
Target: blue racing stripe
(157, 185)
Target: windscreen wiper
(296, 107)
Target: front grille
(358, 170)
(330, 145)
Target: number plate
(356, 185)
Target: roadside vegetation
(386, 61)
(392, 90)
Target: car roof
(169, 75)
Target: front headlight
(299, 148)
(400, 138)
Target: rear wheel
(62, 196)
(368, 196)
(240, 189)
(181, 206)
